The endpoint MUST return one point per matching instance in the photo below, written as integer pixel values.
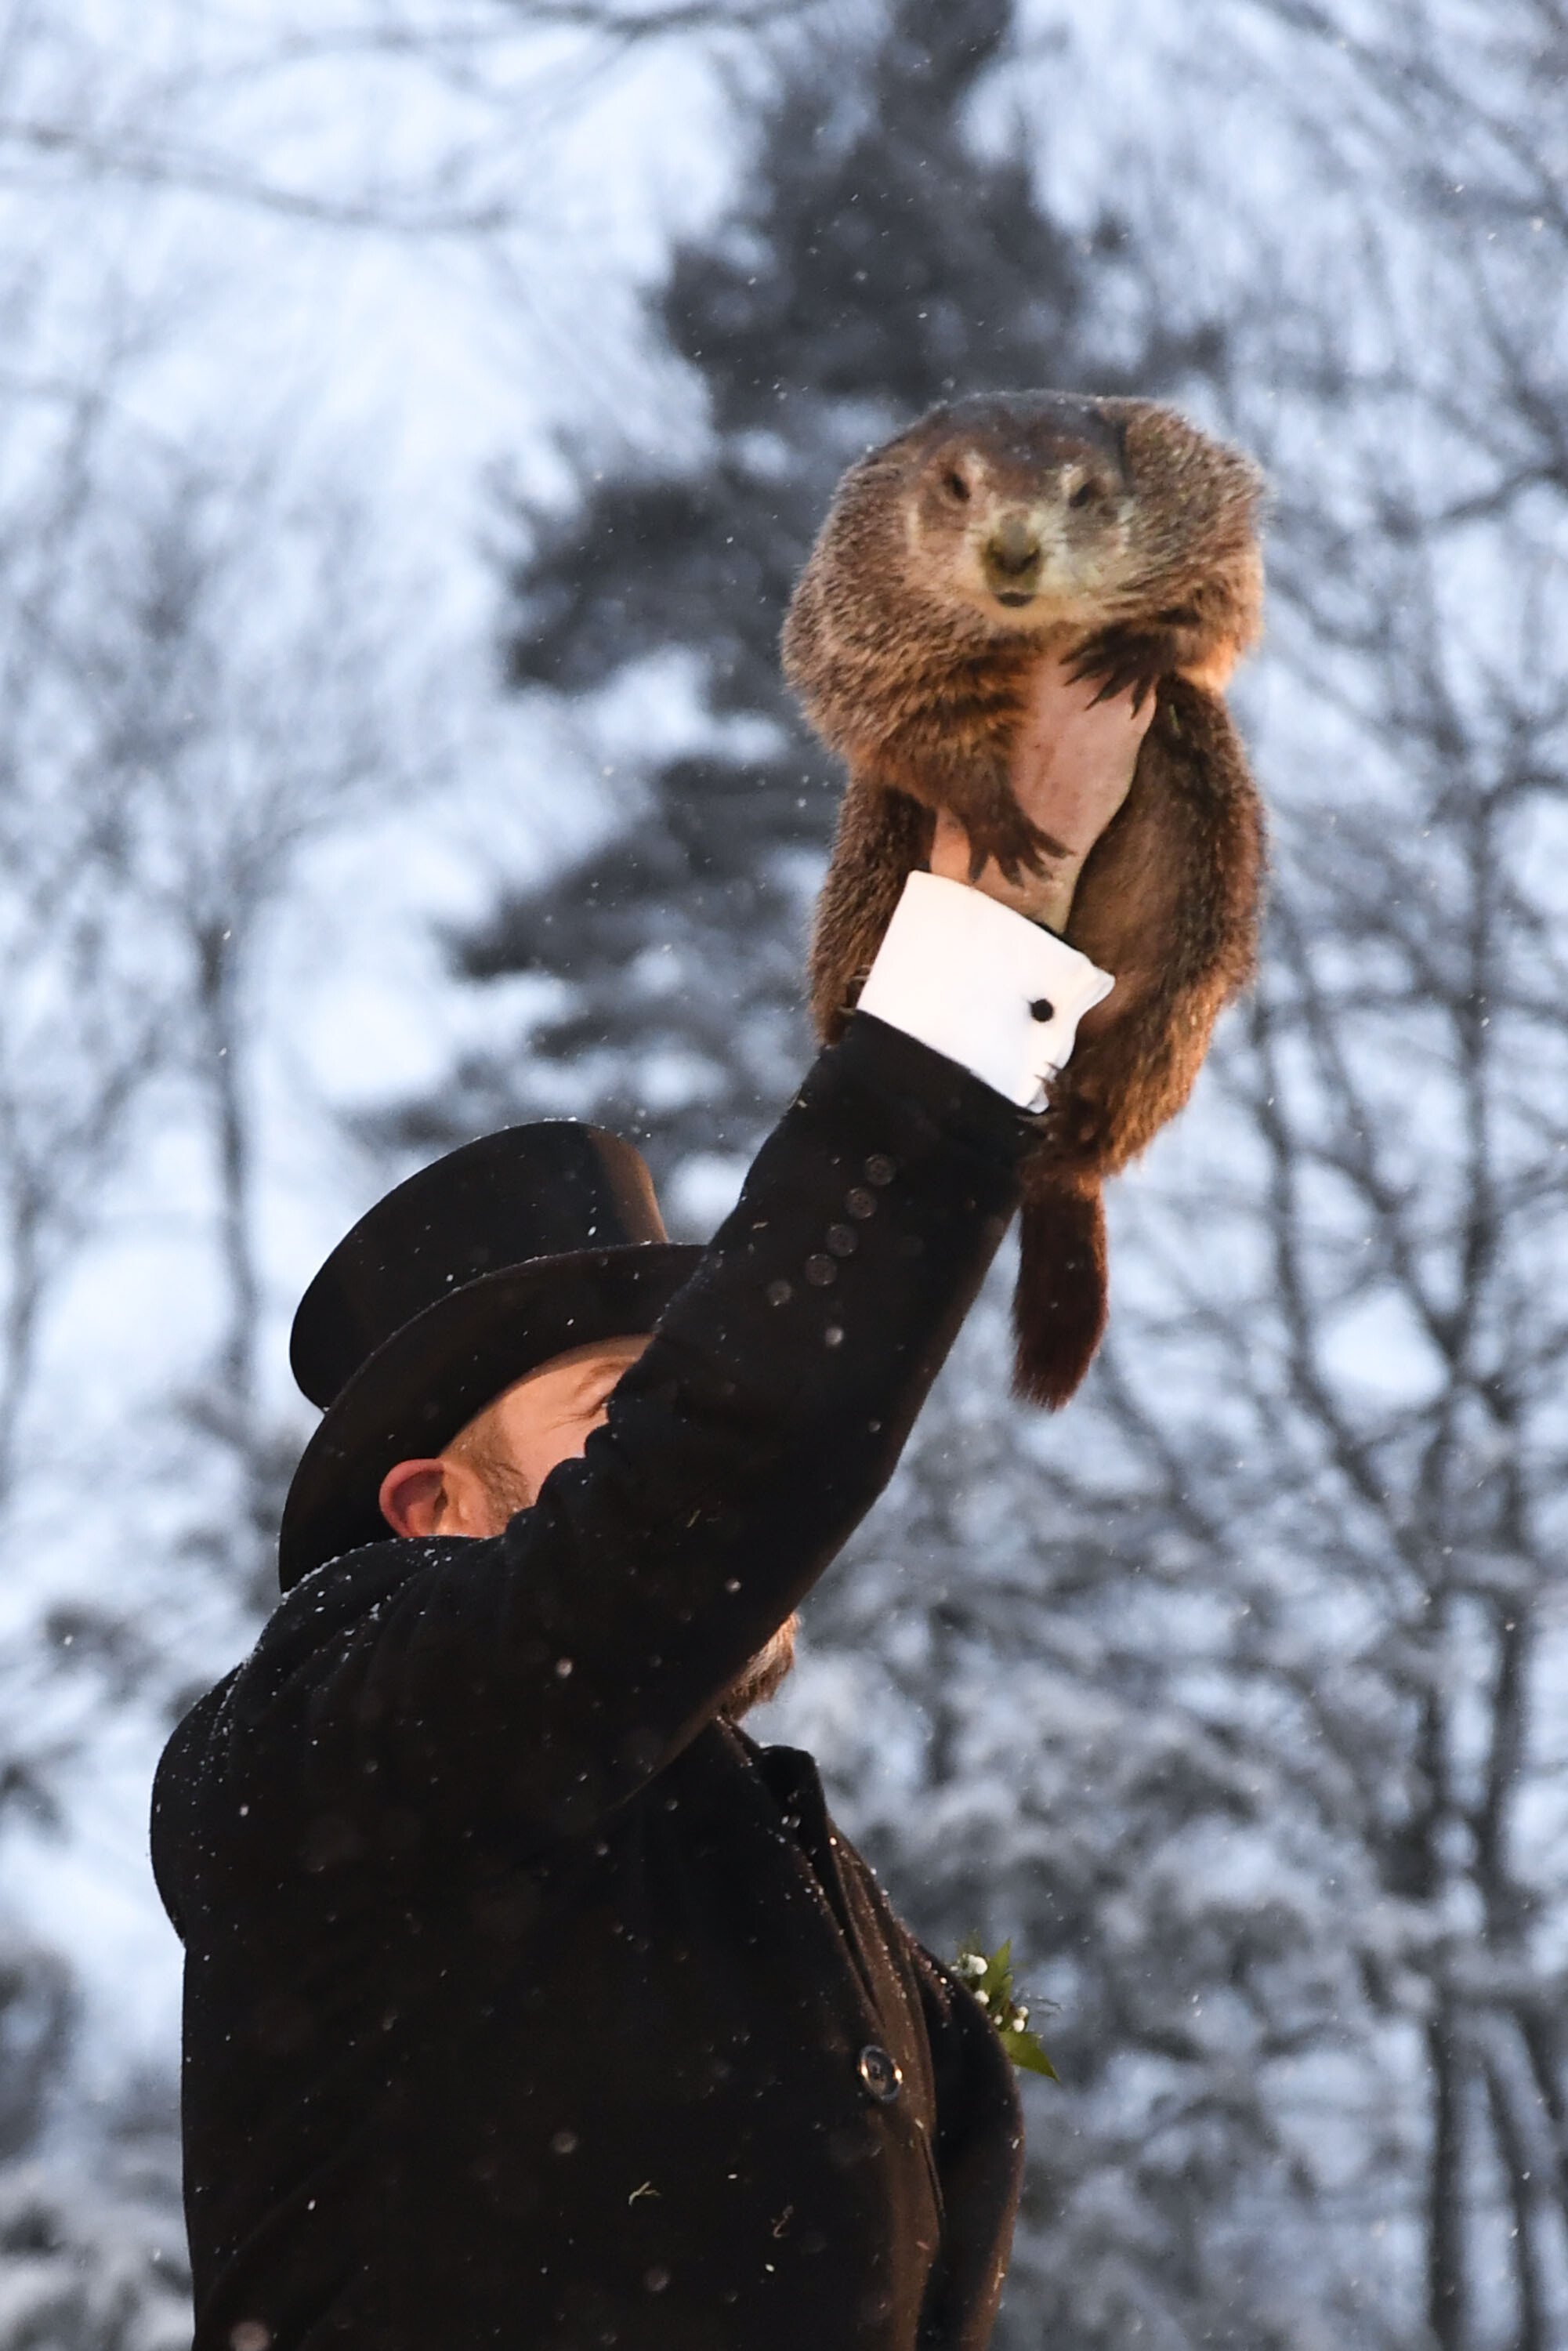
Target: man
(528, 2002)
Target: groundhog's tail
(1058, 1306)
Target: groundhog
(997, 531)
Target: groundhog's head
(1031, 510)
(1022, 506)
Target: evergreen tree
(873, 264)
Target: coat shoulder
(191, 1785)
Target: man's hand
(1070, 773)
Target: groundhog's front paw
(1121, 657)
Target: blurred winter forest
(412, 415)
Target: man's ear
(414, 1496)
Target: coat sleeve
(540, 1677)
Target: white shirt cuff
(988, 989)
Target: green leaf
(991, 1981)
(1024, 2049)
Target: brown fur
(992, 534)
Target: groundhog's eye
(956, 486)
(1083, 495)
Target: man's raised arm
(540, 1676)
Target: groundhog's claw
(1012, 841)
(1122, 657)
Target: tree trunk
(1446, 2278)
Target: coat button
(879, 1169)
(881, 2076)
(1042, 1008)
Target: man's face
(545, 1418)
(496, 1465)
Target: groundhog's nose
(1012, 549)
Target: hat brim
(409, 1399)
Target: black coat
(528, 2001)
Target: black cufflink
(1042, 1008)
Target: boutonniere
(991, 1981)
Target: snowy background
(412, 415)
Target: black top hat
(479, 1268)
